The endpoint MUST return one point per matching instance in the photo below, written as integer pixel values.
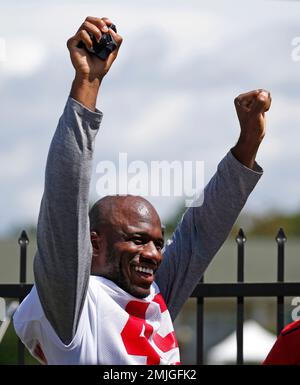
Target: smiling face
(127, 248)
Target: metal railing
(19, 290)
(238, 290)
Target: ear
(95, 240)
(99, 251)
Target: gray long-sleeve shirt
(63, 259)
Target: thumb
(118, 39)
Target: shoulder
(30, 308)
(293, 327)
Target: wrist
(252, 138)
(87, 80)
(85, 90)
(245, 150)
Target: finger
(118, 39)
(100, 23)
(92, 28)
(82, 35)
(242, 105)
(107, 21)
(269, 101)
(111, 58)
(114, 53)
(246, 100)
(262, 103)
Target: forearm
(224, 197)
(62, 263)
(245, 150)
(85, 91)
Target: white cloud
(16, 162)
(208, 51)
(282, 138)
(159, 120)
(2, 50)
(29, 202)
(24, 56)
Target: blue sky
(168, 96)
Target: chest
(129, 331)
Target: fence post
(280, 239)
(240, 240)
(23, 242)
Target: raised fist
(251, 108)
(87, 65)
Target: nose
(150, 253)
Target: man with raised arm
(106, 289)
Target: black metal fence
(238, 290)
(19, 290)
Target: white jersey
(114, 328)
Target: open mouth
(143, 274)
(145, 270)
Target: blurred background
(169, 96)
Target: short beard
(118, 277)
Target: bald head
(112, 211)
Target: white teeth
(144, 269)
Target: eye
(159, 246)
(137, 241)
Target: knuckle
(69, 41)
(261, 100)
(262, 96)
(237, 100)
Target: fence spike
(241, 237)
(23, 239)
(281, 237)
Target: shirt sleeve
(63, 259)
(203, 230)
(285, 350)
